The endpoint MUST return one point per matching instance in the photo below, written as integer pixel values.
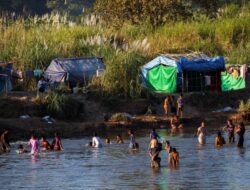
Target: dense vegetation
(129, 43)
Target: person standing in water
(107, 141)
(168, 149)
(153, 134)
(230, 128)
(57, 143)
(240, 130)
(219, 140)
(4, 141)
(34, 144)
(45, 144)
(154, 151)
(119, 139)
(96, 141)
(201, 133)
(132, 143)
(174, 158)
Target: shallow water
(114, 167)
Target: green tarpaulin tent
(228, 82)
(162, 78)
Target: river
(114, 167)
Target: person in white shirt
(96, 141)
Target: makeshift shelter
(183, 73)
(74, 69)
(160, 74)
(5, 76)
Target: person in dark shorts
(240, 130)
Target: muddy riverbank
(197, 108)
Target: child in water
(57, 144)
(219, 140)
(132, 144)
(174, 158)
(21, 149)
(45, 144)
(119, 139)
(107, 141)
(34, 143)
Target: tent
(179, 72)
(5, 76)
(74, 69)
(160, 74)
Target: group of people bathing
(44, 145)
(97, 142)
(155, 148)
(220, 140)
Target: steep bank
(197, 108)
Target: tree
(157, 12)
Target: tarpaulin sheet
(228, 82)
(162, 78)
(76, 69)
(203, 65)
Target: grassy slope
(124, 50)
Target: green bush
(244, 107)
(63, 105)
(120, 117)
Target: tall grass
(34, 42)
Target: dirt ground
(16, 104)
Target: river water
(114, 167)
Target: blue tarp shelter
(183, 71)
(73, 69)
(5, 76)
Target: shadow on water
(115, 167)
